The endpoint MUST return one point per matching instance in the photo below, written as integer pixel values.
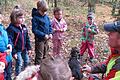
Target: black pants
(41, 49)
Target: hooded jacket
(19, 38)
(41, 25)
(3, 39)
(4, 42)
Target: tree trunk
(119, 12)
(5, 5)
(91, 5)
(48, 2)
(55, 3)
(114, 6)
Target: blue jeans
(21, 62)
(8, 71)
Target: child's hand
(54, 29)
(50, 36)
(86, 68)
(15, 56)
(29, 52)
(46, 37)
(61, 30)
(72, 78)
(7, 51)
(2, 67)
(89, 30)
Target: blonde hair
(42, 5)
(17, 11)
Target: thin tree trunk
(119, 12)
(5, 5)
(55, 3)
(114, 6)
(48, 2)
(91, 5)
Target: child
(88, 32)
(18, 35)
(5, 48)
(41, 27)
(59, 27)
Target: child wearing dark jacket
(18, 35)
(41, 27)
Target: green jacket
(86, 35)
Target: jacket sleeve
(65, 25)
(28, 45)
(95, 29)
(35, 30)
(99, 68)
(11, 39)
(83, 32)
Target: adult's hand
(86, 68)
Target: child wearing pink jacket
(59, 27)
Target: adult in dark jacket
(41, 27)
(111, 67)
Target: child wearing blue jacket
(5, 48)
(18, 34)
(41, 27)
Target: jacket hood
(35, 12)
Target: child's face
(1, 18)
(20, 19)
(90, 20)
(42, 12)
(58, 15)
